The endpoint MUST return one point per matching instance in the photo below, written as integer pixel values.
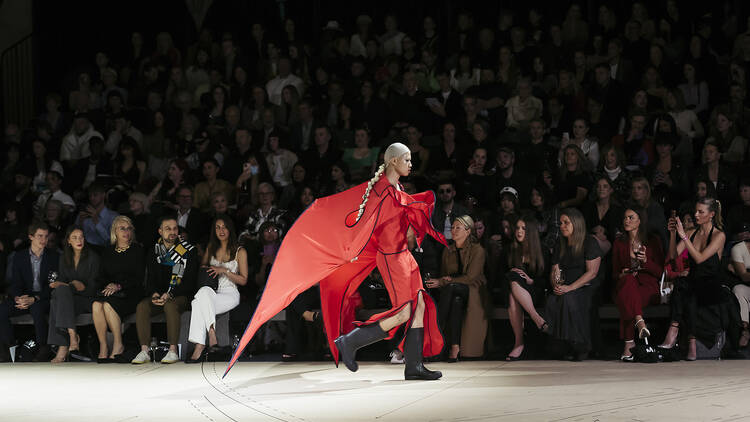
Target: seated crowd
(574, 163)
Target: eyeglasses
(271, 230)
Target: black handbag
(206, 279)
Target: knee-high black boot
(357, 338)
(414, 369)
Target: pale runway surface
(317, 391)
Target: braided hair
(394, 150)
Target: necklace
(121, 250)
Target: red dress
(633, 292)
(326, 246)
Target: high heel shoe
(643, 332)
(545, 328)
(630, 357)
(201, 357)
(520, 356)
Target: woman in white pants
(228, 262)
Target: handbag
(206, 279)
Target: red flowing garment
(325, 245)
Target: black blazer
(22, 277)
(86, 273)
(197, 227)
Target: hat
(26, 169)
(509, 190)
(332, 26)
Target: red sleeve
(617, 257)
(419, 212)
(654, 258)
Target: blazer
(22, 276)
(86, 273)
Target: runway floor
(318, 391)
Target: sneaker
(170, 357)
(397, 357)
(141, 357)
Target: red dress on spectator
(634, 291)
(326, 246)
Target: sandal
(643, 332)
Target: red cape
(325, 246)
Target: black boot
(356, 339)
(414, 369)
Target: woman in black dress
(575, 266)
(72, 293)
(703, 284)
(527, 281)
(119, 286)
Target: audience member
(638, 263)
(119, 287)
(463, 293)
(527, 281)
(72, 293)
(701, 287)
(33, 270)
(172, 270)
(575, 268)
(226, 260)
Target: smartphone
(432, 102)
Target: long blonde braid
(394, 150)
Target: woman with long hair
(344, 237)
(724, 133)
(573, 187)
(119, 287)
(575, 266)
(462, 284)
(526, 277)
(703, 284)
(72, 293)
(225, 259)
(165, 192)
(130, 165)
(637, 262)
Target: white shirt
(61, 196)
(75, 147)
(277, 84)
(182, 218)
(741, 254)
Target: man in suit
(29, 291)
(190, 220)
(302, 134)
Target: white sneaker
(397, 357)
(170, 357)
(141, 357)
